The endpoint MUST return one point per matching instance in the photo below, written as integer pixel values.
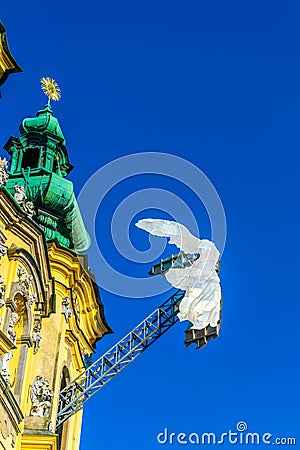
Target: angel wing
(201, 303)
(178, 233)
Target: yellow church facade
(50, 318)
(51, 315)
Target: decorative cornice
(9, 63)
(37, 441)
(5, 344)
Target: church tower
(8, 64)
(51, 313)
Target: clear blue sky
(218, 84)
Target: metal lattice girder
(179, 261)
(73, 396)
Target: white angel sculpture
(202, 301)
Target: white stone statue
(3, 171)
(201, 303)
(21, 198)
(2, 291)
(19, 194)
(28, 280)
(41, 397)
(7, 357)
(29, 209)
(66, 310)
(36, 337)
(11, 327)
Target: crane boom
(98, 374)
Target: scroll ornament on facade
(3, 171)
(66, 310)
(41, 397)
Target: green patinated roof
(40, 163)
(43, 122)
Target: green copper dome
(43, 122)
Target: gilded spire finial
(50, 89)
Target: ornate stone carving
(2, 291)
(28, 280)
(21, 198)
(66, 310)
(29, 209)
(41, 397)
(20, 272)
(3, 171)
(23, 286)
(3, 250)
(11, 327)
(19, 194)
(3, 239)
(5, 368)
(7, 357)
(31, 299)
(36, 337)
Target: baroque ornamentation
(3, 250)
(3, 171)
(20, 272)
(7, 357)
(19, 194)
(76, 306)
(28, 208)
(41, 397)
(23, 286)
(66, 309)
(31, 299)
(21, 198)
(2, 291)
(11, 327)
(36, 337)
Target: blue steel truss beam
(98, 374)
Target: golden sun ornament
(50, 88)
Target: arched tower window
(31, 158)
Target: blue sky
(216, 83)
